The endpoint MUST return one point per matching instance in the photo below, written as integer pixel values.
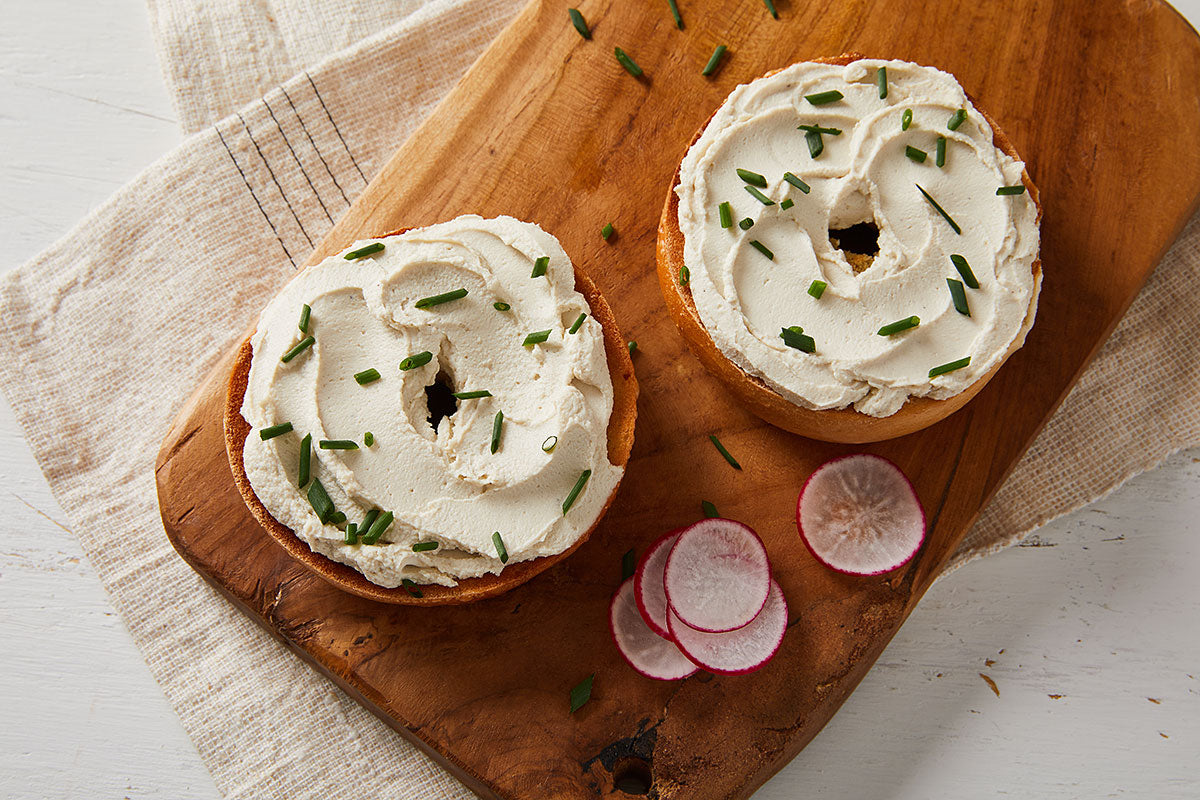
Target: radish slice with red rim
(647, 652)
(859, 515)
(736, 652)
(648, 583)
(717, 576)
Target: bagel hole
(632, 776)
(439, 397)
(859, 244)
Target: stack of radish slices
(701, 598)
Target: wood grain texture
(547, 127)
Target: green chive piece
(817, 288)
(906, 119)
(685, 275)
(1011, 190)
(606, 232)
(940, 158)
(351, 534)
(916, 155)
(497, 429)
(577, 323)
(799, 184)
(964, 269)
(770, 4)
(304, 470)
(410, 586)
(953, 365)
(305, 314)
(579, 22)
(318, 498)
(500, 305)
(539, 267)
(714, 60)
(940, 210)
(787, 203)
(369, 439)
(759, 196)
(752, 178)
(374, 247)
(274, 430)
(438, 299)
(762, 248)
(881, 81)
(628, 63)
(819, 129)
(796, 338)
(958, 119)
(424, 547)
(337, 444)
(501, 550)
(368, 520)
(628, 564)
(900, 325)
(816, 145)
(824, 98)
(550, 443)
(416, 360)
(300, 347)
(712, 437)
(583, 692)
(726, 213)
(575, 490)
(337, 518)
(378, 528)
(366, 376)
(675, 14)
(709, 510)
(537, 337)
(959, 296)
(746, 224)
(632, 346)
(473, 395)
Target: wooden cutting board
(1100, 98)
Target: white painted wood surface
(1089, 633)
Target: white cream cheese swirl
(863, 175)
(444, 485)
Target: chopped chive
(940, 210)
(953, 365)
(787, 203)
(501, 550)
(575, 490)
(410, 586)
(959, 296)
(759, 196)
(300, 347)
(374, 247)
(714, 60)
(500, 305)
(577, 323)
(906, 119)
(762, 248)
(940, 158)
(583, 692)
(337, 444)
(916, 155)
(1011, 190)
(824, 98)
(303, 471)
(416, 360)
(726, 212)
(958, 119)
(964, 269)
(675, 14)
(746, 223)
(366, 376)
(819, 129)
(881, 81)
(438, 299)
(709, 510)
(318, 498)
(628, 564)
(606, 232)
(274, 430)
(900, 325)
(539, 267)
(628, 63)
(472, 395)
(424, 547)
(337, 518)
(579, 22)
(799, 184)
(537, 337)
(378, 528)
(632, 346)
(816, 145)
(752, 178)
(712, 437)
(796, 338)
(369, 439)
(770, 4)
(305, 314)
(351, 534)
(368, 520)
(817, 288)
(685, 275)
(497, 429)
(550, 443)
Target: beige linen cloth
(105, 334)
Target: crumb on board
(1056, 696)
(991, 684)
(1157, 701)
(989, 662)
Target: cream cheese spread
(443, 485)
(753, 278)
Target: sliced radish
(717, 575)
(648, 583)
(735, 652)
(646, 651)
(859, 515)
